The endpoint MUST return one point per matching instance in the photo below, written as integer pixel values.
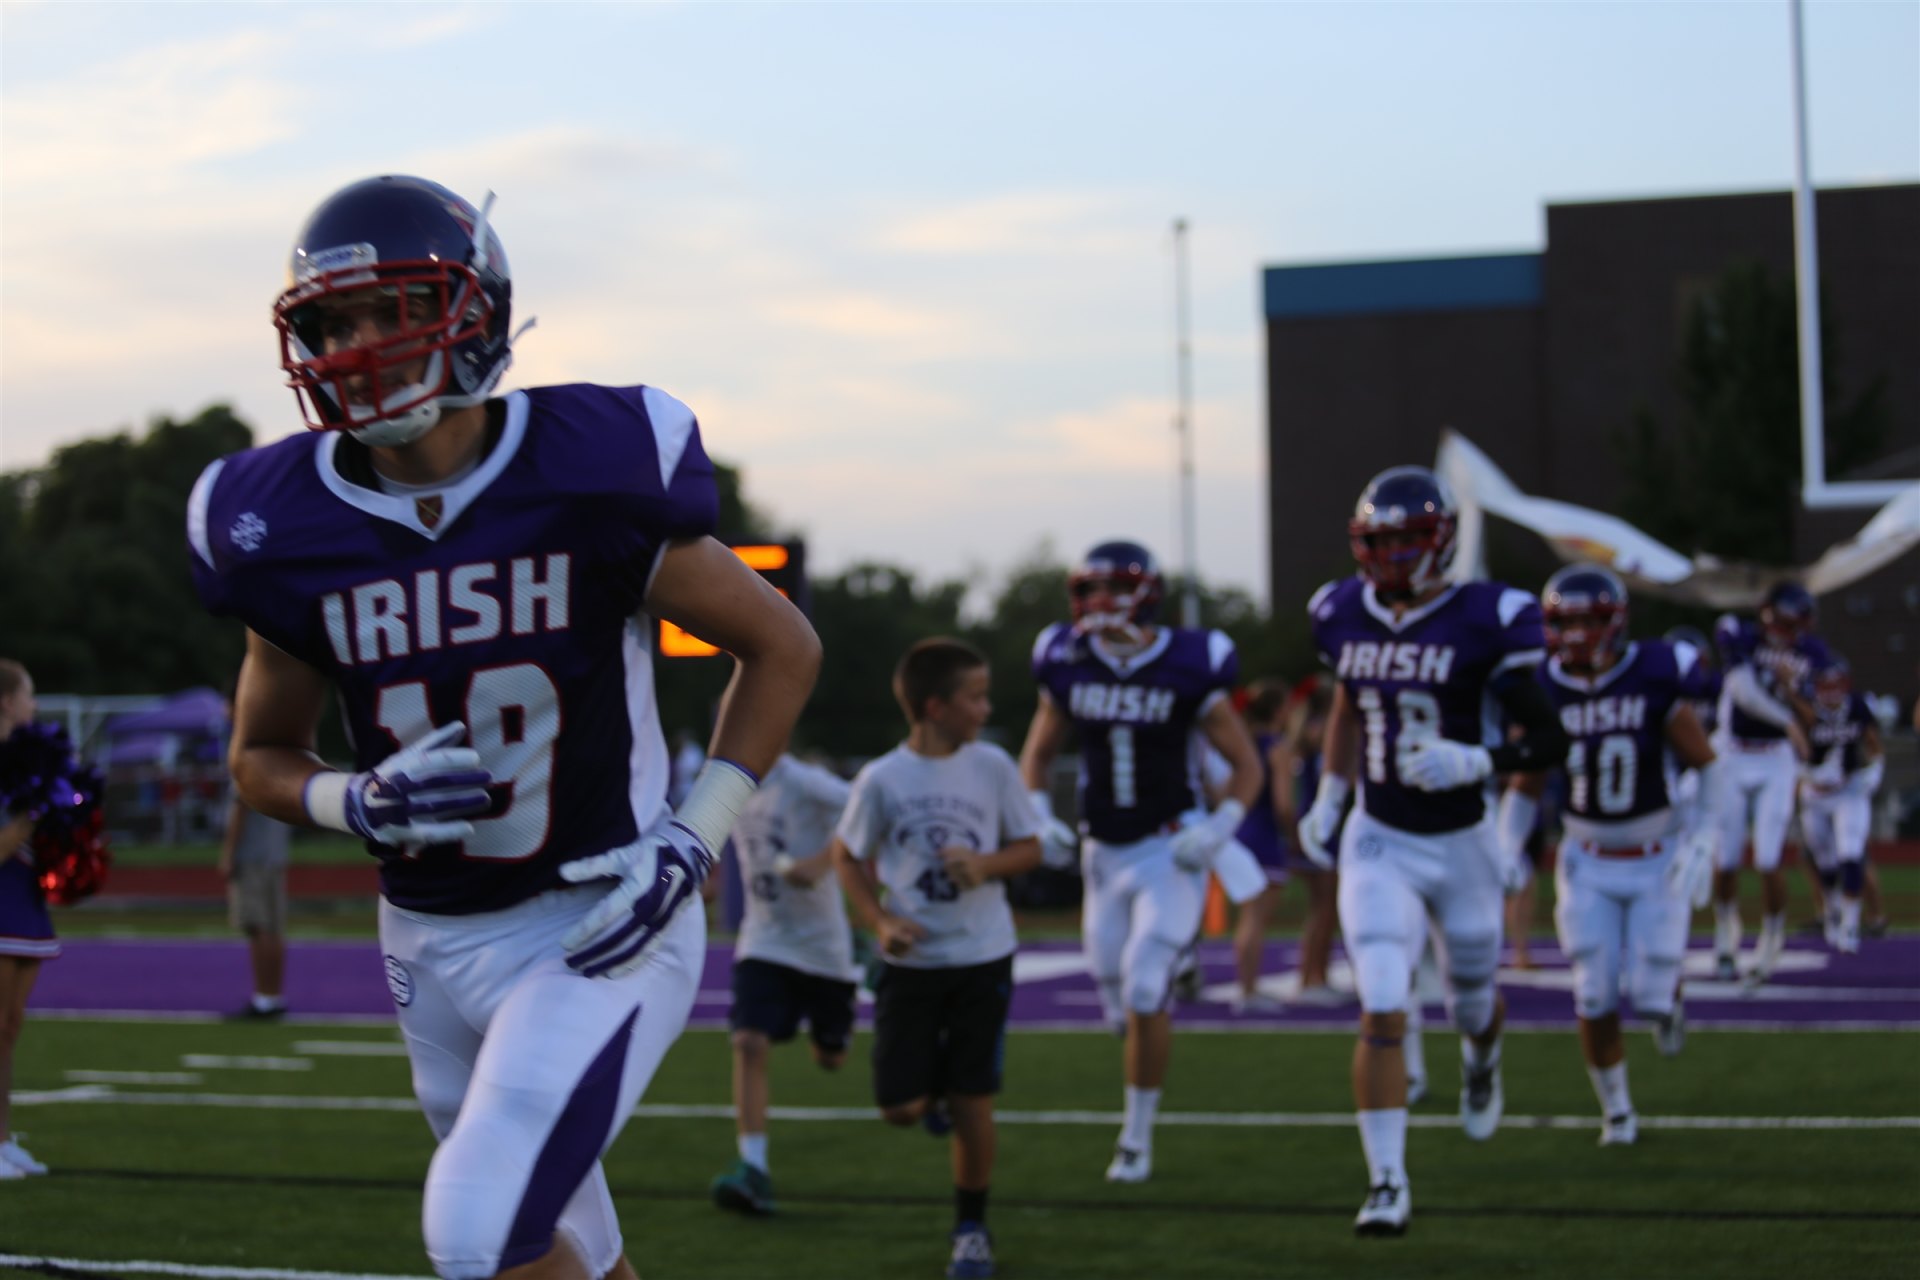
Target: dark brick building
(1541, 358)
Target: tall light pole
(1183, 428)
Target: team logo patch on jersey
(248, 532)
(399, 982)
(429, 510)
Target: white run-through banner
(1581, 533)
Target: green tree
(1725, 479)
(94, 575)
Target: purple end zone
(1880, 986)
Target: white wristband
(1227, 818)
(714, 802)
(325, 800)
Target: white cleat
(1416, 1090)
(1389, 1205)
(1670, 1032)
(1724, 968)
(1130, 1165)
(1481, 1101)
(1847, 942)
(1622, 1130)
(14, 1156)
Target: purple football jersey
(1135, 719)
(1616, 765)
(1798, 661)
(1703, 695)
(1840, 729)
(1429, 671)
(508, 601)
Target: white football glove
(656, 875)
(1322, 823)
(1690, 874)
(419, 795)
(1512, 828)
(1059, 843)
(653, 878)
(1201, 834)
(1441, 764)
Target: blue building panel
(1486, 282)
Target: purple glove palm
(654, 877)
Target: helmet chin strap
(391, 432)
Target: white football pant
(1618, 919)
(527, 1071)
(1139, 915)
(1759, 781)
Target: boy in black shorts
(939, 823)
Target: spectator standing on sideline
(253, 862)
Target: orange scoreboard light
(783, 564)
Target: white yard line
(97, 1095)
(185, 1269)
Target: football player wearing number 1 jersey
(1138, 696)
(451, 565)
(1419, 660)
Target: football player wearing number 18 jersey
(467, 574)
(1420, 661)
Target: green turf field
(313, 1178)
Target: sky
(911, 264)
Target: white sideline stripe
(135, 1077)
(243, 1062)
(351, 1048)
(186, 1269)
(1194, 1119)
(1343, 1025)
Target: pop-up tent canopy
(189, 726)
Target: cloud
(1042, 222)
(156, 113)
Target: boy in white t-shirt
(939, 823)
(793, 960)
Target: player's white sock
(1472, 1055)
(1383, 1137)
(1610, 1086)
(1849, 914)
(1726, 928)
(753, 1149)
(1773, 935)
(1136, 1132)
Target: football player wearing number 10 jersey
(450, 565)
(1420, 661)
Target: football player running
(1631, 865)
(1417, 659)
(1763, 717)
(1135, 693)
(466, 573)
(1836, 798)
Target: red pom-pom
(72, 861)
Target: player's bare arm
(1047, 732)
(1340, 743)
(276, 719)
(704, 588)
(1228, 734)
(1688, 738)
